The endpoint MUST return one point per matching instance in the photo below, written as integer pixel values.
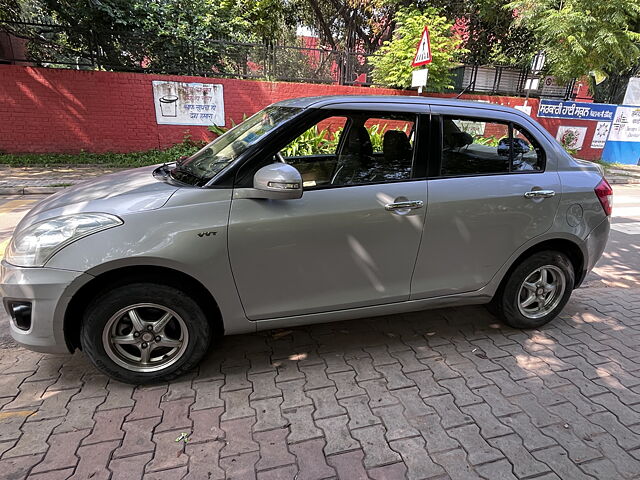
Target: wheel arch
(137, 273)
(563, 245)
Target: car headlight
(36, 244)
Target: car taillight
(605, 195)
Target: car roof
(325, 101)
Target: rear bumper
(595, 244)
(46, 289)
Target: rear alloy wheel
(143, 332)
(536, 290)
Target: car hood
(118, 193)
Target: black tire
(109, 302)
(506, 302)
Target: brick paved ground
(440, 394)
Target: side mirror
(277, 181)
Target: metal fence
(47, 44)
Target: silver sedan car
(312, 210)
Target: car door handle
(539, 194)
(409, 205)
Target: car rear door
(487, 197)
(350, 241)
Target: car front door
(353, 237)
(480, 211)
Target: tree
(583, 36)
(392, 66)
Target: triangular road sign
(423, 53)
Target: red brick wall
(67, 111)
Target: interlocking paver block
(325, 402)
(337, 435)
(559, 462)
(394, 376)
(375, 446)
(345, 382)
(499, 404)
(137, 437)
(427, 384)
(18, 467)
(359, 413)
(290, 472)
(418, 464)
(396, 424)
(288, 370)
(301, 424)
(62, 451)
(311, 460)
(524, 464)
(236, 404)
(180, 388)
(235, 378)
(206, 425)
(437, 439)
(500, 470)
(379, 394)
(240, 467)
(450, 414)
(93, 461)
(388, 472)
(626, 438)
(208, 395)
(238, 437)
(119, 396)
(478, 449)
(380, 355)
(294, 395)
(264, 386)
(350, 465)
(108, 425)
(10, 384)
(273, 449)
(93, 385)
(176, 415)
(489, 425)
(30, 395)
(34, 438)
(168, 453)
(129, 468)
(80, 415)
(63, 474)
(147, 403)
(364, 369)
(268, 413)
(10, 424)
(456, 465)
(409, 361)
(171, 474)
(203, 461)
(316, 377)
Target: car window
(355, 149)
(314, 153)
(474, 146)
(528, 155)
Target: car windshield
(203, 165)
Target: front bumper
(49, 291)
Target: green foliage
(393, 66)
(133, 159)
(583, 36)
(491, 141)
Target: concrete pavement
(440, 394)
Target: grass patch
(133, 159)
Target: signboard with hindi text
(600, 112)
(180, 103)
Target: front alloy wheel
(145, 332)
(145, 337)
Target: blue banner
(579, 111)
